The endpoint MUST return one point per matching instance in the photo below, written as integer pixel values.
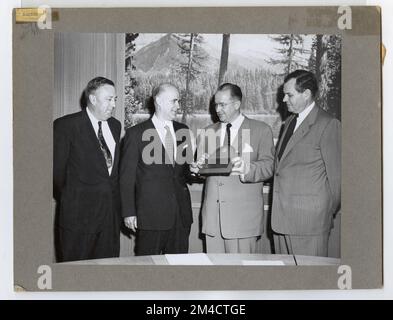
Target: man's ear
(237, 105)
(307, 94)
(93, 99)
(157, 102)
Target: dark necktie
(169, 144)
(288, 135)
(103, 146)
(227, 140)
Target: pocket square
(247, 148)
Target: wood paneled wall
(79, 57)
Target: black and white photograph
(164, 149)
(268, 105)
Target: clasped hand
(130, 223)
(196, 166)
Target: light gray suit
(230, 206)
(307, 182)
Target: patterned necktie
(288, 135)
(103, 146)
(169, 144)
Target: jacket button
(277, 174)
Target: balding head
(162, 88)
(166, 101)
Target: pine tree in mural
(190, 67)
(224, 57)
(325, 61)
(131, 104)
(259, 89)
(291, 53)
(316, 56)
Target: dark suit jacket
(87, 194)
(151, 189)
(307, 181)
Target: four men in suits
(232, 211)
(155, 167)
(307, 179)
(85, 175)
(153, 174)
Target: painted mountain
(163, 55)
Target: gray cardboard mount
(361, 225)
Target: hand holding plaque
(240, 166)
(218, 163)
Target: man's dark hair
(304, 80)
(234, 90)
(94, 84)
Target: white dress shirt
(303, 115)
(234, 129)
(160, 127)
(106, 132)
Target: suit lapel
(238, 140)
(176, 127)
(150, 125)
(207, 139)
(92, 137)
(303, 129)
(287, 121)
(116, 137)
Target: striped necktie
(169, 144)
(103, 146)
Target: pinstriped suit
(88, 197)
(307, 181)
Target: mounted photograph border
(361, 117)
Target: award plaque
(219, 163)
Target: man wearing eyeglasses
(232, 212)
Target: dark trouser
(153, 242)
(315, 245)
(74, 246)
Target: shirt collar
(235, 123)
(92, 118)
(161, 123)
(305, 112)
